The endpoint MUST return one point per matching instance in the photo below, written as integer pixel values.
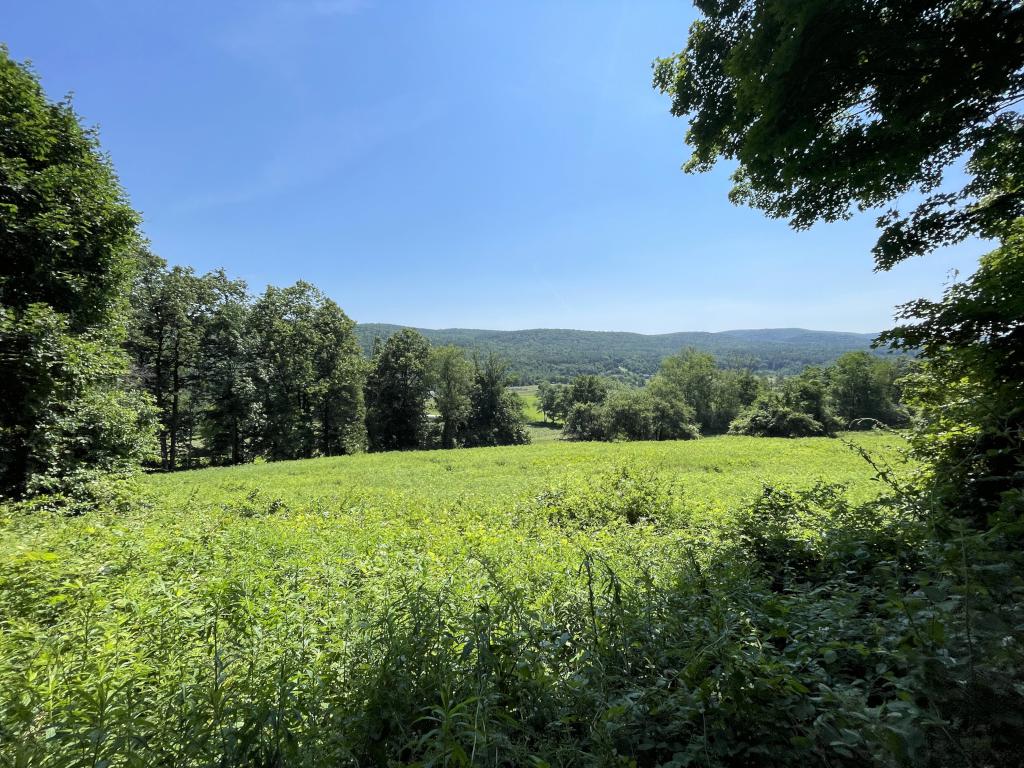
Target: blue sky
(444, 164)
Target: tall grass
(613, 617)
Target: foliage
(452, 385)
(631, 414)
(279, 376)
(397, 390)
(796, 94)
(824, 106)
(496, 413)
(68, 237)
(693, 378)
(85, 425)
(562, 604)
(588, 390)
(174, 311)
(771, 416)
(809, 393)
(971, 390)
(584, 422)
(307, 374)
(558, 355)
(553, 400)
(863, 387)
(858, 391)
(690, 395)
(227, 387)
(282, 376)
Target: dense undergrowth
(611, 617)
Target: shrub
(769, 416)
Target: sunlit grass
(278, 609)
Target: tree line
(282, 375)
(559, 355)
(691, 396)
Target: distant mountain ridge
(555, 354)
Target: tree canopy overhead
(833, 105)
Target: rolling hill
(553, 354)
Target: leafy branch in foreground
(827, 106)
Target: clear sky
(441, 164)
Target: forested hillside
(554, 354)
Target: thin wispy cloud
(315, 148)
(265, 31)
(334, 7)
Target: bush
(584, 422)
(630, 414)
(769, 416)
(70, 421)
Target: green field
(539, 428)
(719, 471)
(531, 403)
(325, 609)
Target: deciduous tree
(397, 391)
(452, 384)
(496, 412)
(830, 107)
(307, 375)
(68, 240)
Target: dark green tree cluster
(584, 392)
(234, 377)
(308, 376)
(552, 401)
(68, 240)
(858, 391)
(452, 379)
(691, 396)
(471, 402)
(398, 390)
(598, 409)
(282, 376)
(688, 396)
(714, 394)
(495, 412)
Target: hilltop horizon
(558, 354)
(525, 329)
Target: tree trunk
(175, 384)
(158, 387)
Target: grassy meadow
(539, 428)
(444, 607)
(531, 402)
(717, 471)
